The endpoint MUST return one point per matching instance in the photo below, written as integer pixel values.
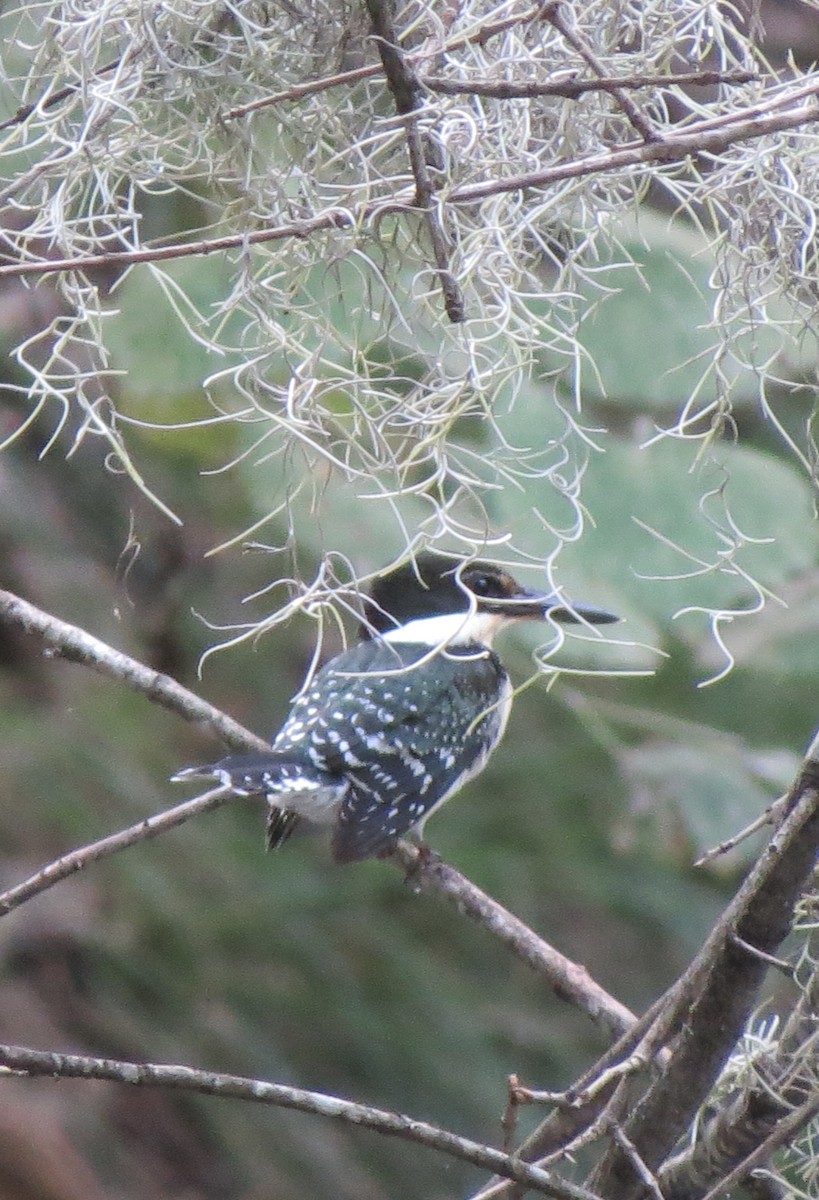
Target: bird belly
(316, 799)
(494, 730)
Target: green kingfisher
(391, 728)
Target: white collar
(450, 629)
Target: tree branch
(572, 89)
(36, 1063)
(73, 644)
(711, 136)
(143, 831)
(710, 1003)
(784, 1077)
(408, 95)
(569, 981)
(728, 981)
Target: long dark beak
(578, 613)
(529, 604)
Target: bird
(394, 726)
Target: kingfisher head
(436, 599)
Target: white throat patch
(451, 629)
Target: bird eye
(484, 585)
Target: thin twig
(699, 138)
(583, 1106)
(36, 1063)
(46, 102)
(77, 860)
(769, 817)
(572, 89)
(586, 1136)
(643, 126)
(299, 90)
(640, 1168)
(779, 964)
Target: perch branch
(569, 980)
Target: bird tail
(291, 789)
(281, 822)
(253, 774)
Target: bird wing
(403, 739)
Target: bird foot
(426, 857)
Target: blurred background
(198, 948)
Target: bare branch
(334, 219)
(580, 1106)
(36, 1063)
(423, 153)
(784, 1074)
(760, 911)
(728, 981)
(641, 1170)
(143, 831)
(73, 644)
(569, 980)
(770, 816)
(572, 89)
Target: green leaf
(709, 785)
(656, 514)
(647, 330)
